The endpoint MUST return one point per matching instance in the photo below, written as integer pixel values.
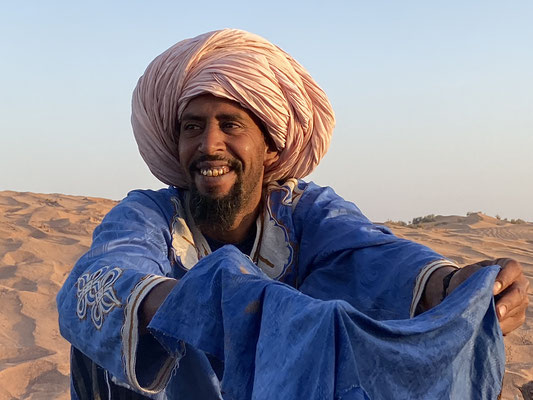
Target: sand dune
(42, 235)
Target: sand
(42, 235)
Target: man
(310, 301)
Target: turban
(247, 69)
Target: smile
(217, 171)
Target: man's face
(223, 151)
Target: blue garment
(277, 342)
(326, 314)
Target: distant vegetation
(420, 220)
(396, 223)
(511, 221)
(417, 221)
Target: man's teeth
(214, 171)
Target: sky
(433, 99)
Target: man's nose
(212, 139)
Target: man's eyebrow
(230, 117)
(191, 117)
(219, 117)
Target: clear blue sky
(434, 99)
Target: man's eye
(190, 127)
(230, 125)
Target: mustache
(234, 164)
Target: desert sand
(42, 235)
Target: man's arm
(345, 256)
(511, 288)
(379, 270)
(100, 301)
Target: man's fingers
(511, 288)
(513, 319)
(511, 270)
(506, 306)
(514, 297)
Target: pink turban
(242, 67)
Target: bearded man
(243, 281)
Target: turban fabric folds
(242, 67)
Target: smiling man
(223, 149)
(240, 280)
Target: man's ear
(271, 156)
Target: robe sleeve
(277, 343)
(99, 301)
(344, 256)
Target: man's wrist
(446, 283)
(153, 301)
(432, 295)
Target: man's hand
(510, 290)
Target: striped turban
(247, 69)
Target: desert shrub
(427, 218)
(517, 221)
(396, 223)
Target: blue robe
(320, 309)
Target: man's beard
(218, 213)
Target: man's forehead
(206, 101)
(205, 105)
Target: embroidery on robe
(188, 244)
(272, 250)
(95, 291)
(291, 189)
(183, 245)
(275, 251)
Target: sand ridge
(42, 236)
